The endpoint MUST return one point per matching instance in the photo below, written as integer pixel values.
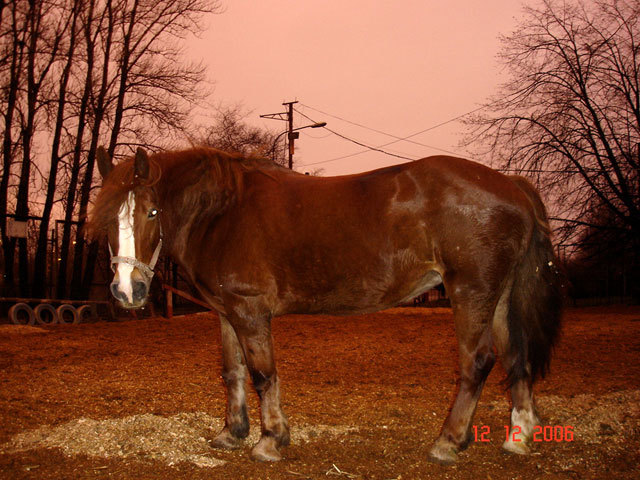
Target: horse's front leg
(236, 427)
(257, 343)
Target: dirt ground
(365, 396)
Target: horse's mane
(206, 180)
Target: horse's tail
(535, 306)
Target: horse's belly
(363, 295)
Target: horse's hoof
(519, 448)
(443, 452)
(266, 450)
(226, 441)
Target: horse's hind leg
(523, 416)
(476, 361)
(524, 419)
(236, 427)
(257, 343)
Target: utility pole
(291, 135)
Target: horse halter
(146, 269)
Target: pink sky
(396, 66)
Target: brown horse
(258, 241)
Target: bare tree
(231, 133)
(570, 118)
(40, 262)
(570, 115)
(78, 73)
(13, 36)
(44, 32)
(92, 28)
(153, 90)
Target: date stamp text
(547, 433)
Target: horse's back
(368, 241)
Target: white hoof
(519, 448)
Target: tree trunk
(22, 204)
(75, 166)
(81, 282)
(15, 77)
(40, 262)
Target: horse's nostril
(139, 290)
(117, 293)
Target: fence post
(169, 303)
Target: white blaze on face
(126, 244)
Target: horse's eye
(153, 212)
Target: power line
(397, 139)
(356, 123)
(482, 107)
(408, 136)
(369, 128)
(369, 147)
(375, 149)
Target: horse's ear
(104, 162)
(141, 164)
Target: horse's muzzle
(139, 292)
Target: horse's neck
(183, 218)
(195, 206)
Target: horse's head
(128, 210)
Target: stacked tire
(46, 314)
(22, 314)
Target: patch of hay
(171, 440)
